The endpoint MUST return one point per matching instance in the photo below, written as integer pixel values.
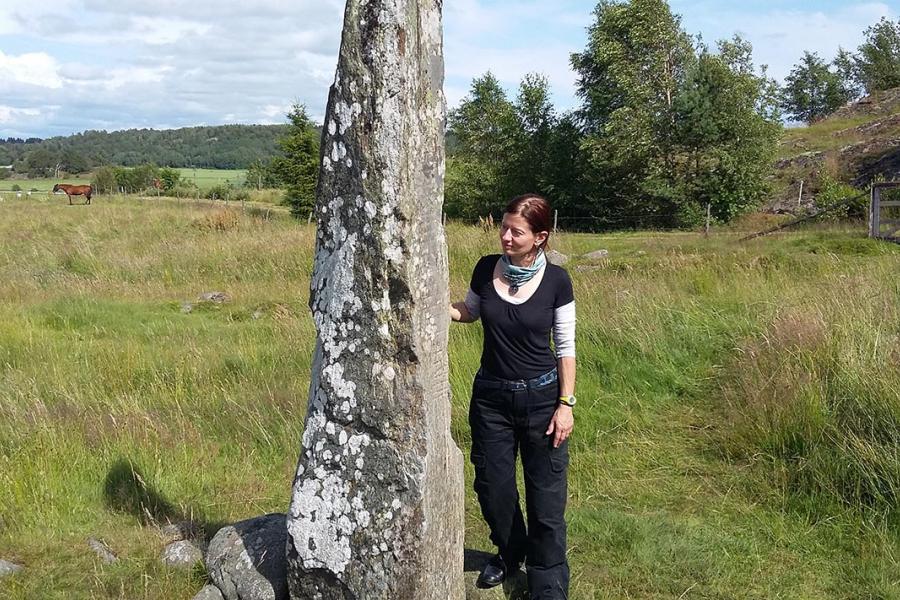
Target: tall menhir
(376, 509)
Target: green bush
(832, 191)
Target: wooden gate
(884, 213)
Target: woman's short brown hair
(533, 208)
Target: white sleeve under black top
(517, 336)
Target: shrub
(184, 189)
(832, 190)
(220, 191)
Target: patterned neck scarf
(518, 276)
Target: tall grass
(735, 435)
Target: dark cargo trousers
(509, 418)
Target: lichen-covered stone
(376, 508)
(246, 561)
(209, 592)
(182, 554)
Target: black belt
(516, 384)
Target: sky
(71, 65)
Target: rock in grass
(556, 258)
(209, 592)
(181, 554)
(182, 530)
(247, 560)
(597, 254)
(9, 568)
(214, 297)
(102, 550)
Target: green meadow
(42, 184)
(203, 178)
(737, 433)
(207, 178)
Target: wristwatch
(568, 400)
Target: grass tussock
(223, 219)
(814, 401)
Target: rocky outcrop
(376, 507)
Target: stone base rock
(181, 554)
(9, 568)
(247, 561)
(209, 592)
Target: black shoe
(493, 573)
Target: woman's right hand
(459, 313)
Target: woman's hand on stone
(561, 424)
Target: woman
(522, 398)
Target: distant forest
(213, 147)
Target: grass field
(203, 178)
(206, 178)
(737, 433)
(42, 185)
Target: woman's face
(516, 238)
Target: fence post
(309, 218)
(873, 211)
(800, 195)
(444, 220)
(708, 214)
(555, 217)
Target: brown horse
(74, 190)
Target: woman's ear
(540, 238)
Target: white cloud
(9, 114)
(33, 68)
(159, 31)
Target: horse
(74, 190)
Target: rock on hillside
(857, 144)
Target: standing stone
(377, 503)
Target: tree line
(214, 147)
(668, 128)
(815, 88)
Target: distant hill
(857, 144)
(214, 147)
